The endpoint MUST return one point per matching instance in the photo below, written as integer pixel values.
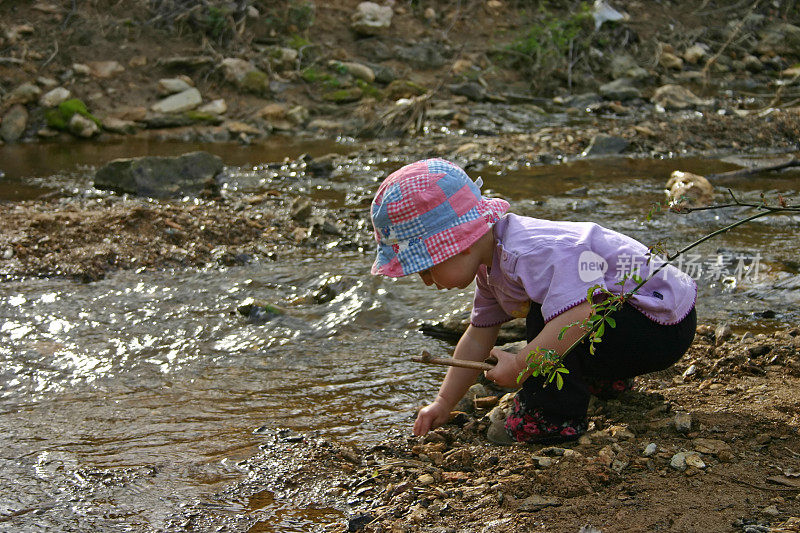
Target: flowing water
(124, 400)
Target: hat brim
(462, 236)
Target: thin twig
(52, 56)
(793, 162)
(615, 306)
(427, 358)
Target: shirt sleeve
(486, 311)
(559, 277)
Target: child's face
(456, 272)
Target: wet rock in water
(14, 123)
(677, 97)
(258, 312)
(602, 144)
(177, 103)
(371, 19)
(55, 97)
(191, 174)
(690, 190)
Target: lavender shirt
(555, 263)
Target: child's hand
(506, 370)
(431, 416)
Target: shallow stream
(126, 399)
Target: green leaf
(563, 370)
(559, 381)
(611, 322)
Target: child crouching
(431, 219)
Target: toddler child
(430, 218)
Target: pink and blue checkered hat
(427, 212)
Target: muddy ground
(730, 406)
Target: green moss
(54, 119)
(199, 116)
(256, 82)
(58, 118)
(368, 89)
(343, 96)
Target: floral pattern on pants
(531, 425)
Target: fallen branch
(427, 358)
(793, 162)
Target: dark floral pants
(636, 346)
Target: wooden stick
(427, 358)
(748, 171)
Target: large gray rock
(161, 177)
(14, 123)
(177, 103)
(24, 94)
(54, 97)
(621, 89)
(422, 55)
(602, 144)
(371, 18)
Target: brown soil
(741, 398)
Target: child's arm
(509, 365)
(474, 345)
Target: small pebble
(678, 461)
(683, 422)
(650, 450)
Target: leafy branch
(550, 364)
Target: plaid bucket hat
(427, 212)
